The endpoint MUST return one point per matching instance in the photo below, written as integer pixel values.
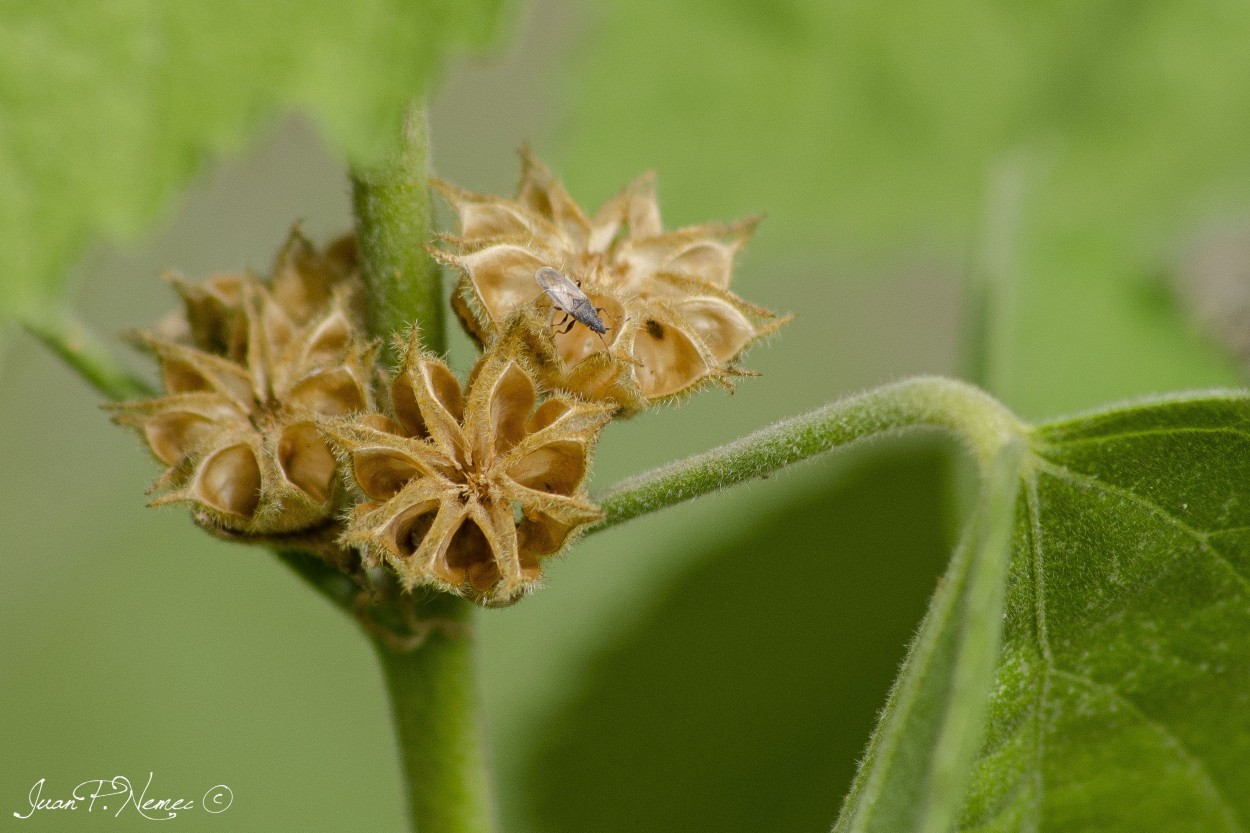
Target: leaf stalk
(977, 419)
(79, 347)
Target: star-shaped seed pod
(303, 282)
(673, 324)
(469, 491)
(239, 438)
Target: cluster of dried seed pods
(673, 324)
(277, 419)
(249, 367)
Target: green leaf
(1122, 692)
(111, 107)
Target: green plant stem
(432, 684)
(81, 349)
(989, 292)
(394, 216)
(433, 699)
(979, 421)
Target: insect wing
(569, 298)
(562, 291)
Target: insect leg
(567, 322)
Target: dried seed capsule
(469, 491)
(673, 325)
(239, 437)
(304, 280)
(303, 283)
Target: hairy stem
(394, 216)
(433, 699)
(432, 679)
(980, 422)
(80, 348)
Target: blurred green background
(715, 666)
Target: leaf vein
(1009, 801)
(1062, 472)
(1195, 767)
(1008, 805)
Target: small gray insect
(570, 300)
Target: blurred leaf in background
(112, 107)
(868, 128)
(741, 697)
